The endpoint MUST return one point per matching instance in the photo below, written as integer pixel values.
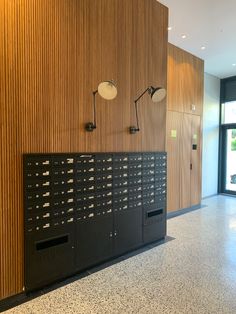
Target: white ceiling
(209, 23)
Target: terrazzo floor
(194, 273)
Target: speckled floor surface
(195, 273)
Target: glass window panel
(228, 114)
(231, 160)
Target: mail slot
(154, 213)
(42, 245)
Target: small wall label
(173, 133)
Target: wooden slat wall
(185, 157)
(173, 148)
(196, 160)
(185, 81)
(175, 97)
(184, 185)
(2, 102)
(53, 54)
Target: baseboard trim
(12, 301)
(209, 196)
(230, 195)
(184, 211)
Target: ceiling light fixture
(169, 28)
(184, 36)
(234, 64)
(203, 47)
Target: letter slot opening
(42, 245)
(154, 213)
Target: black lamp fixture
(157, 94)
(107, 90)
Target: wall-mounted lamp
(106, 90)
(157, 94)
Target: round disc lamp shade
(107, 90)
(158, 94)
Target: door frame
(223, 157)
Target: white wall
(211, 109)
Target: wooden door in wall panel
(174, 79)
(198, 86)
(188, 84)
(185, 81)
(173, 139)
(196, 161)
(193, 77)
(185, 158)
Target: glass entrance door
(229, 159)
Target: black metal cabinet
(127, 230)
(154, 223)
(82, 209)
(94, 239)
(100, 237)
(50, 256)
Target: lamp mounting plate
(90, 126)
(133, 130)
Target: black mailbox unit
(82, 209)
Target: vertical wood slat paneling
(185, 88)
(185, 81)
(175, 101)
(184, 184)
(12, 219)
(185, 157)
(174, 135)
(196, 160)
(53, 54)
(2, 102)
